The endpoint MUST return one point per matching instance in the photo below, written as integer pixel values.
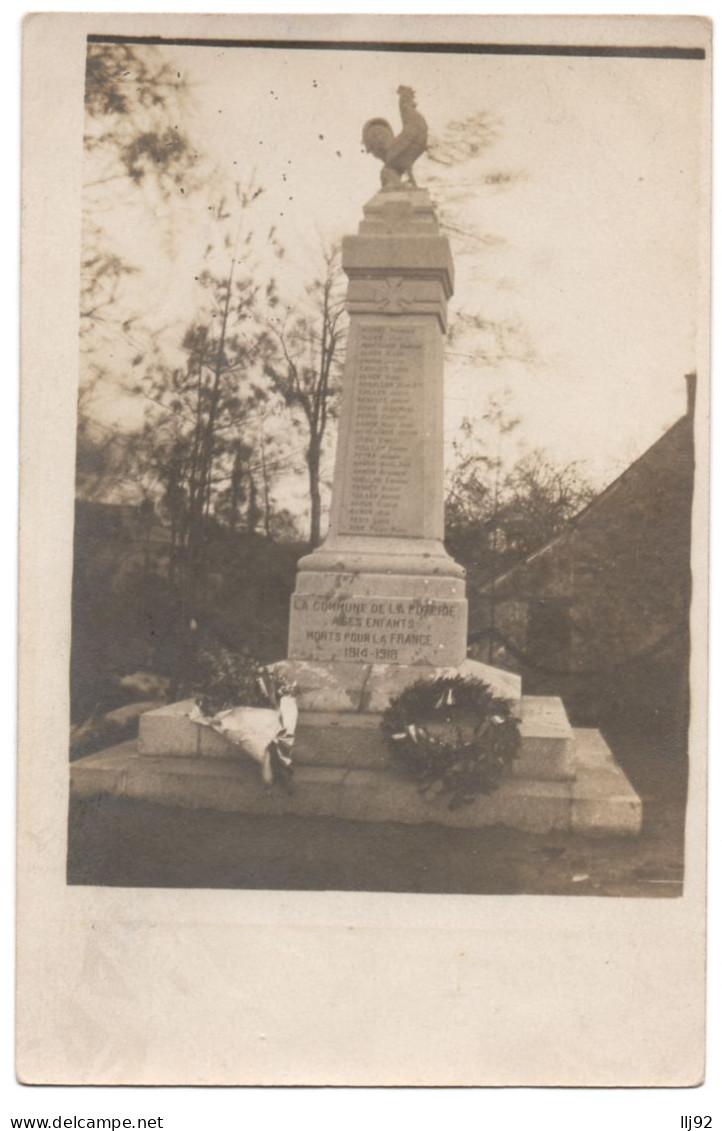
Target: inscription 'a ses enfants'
(368, 629)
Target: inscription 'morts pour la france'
(383, 489)
(375, 629)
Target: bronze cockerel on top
(397, 153)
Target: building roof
(584, 514)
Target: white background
(190, 1108)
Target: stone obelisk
(382, 589)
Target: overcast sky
(595, 246)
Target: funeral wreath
(452, 735)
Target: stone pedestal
(382, 589)
(342, 771)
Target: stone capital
(399, 263)
(400, 254)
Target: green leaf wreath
(453, 735)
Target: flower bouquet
(251, 706)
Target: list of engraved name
(384, 493)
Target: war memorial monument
(381, 604)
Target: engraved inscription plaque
(376, 629)
(383, 493)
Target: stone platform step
(353, 740)
(368, 688)
(598, 801)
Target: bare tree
(541, 497)
(197, 430)
(137, 154)
(473, 495)
(500, 509)
(460, 171)
(132, 102)
(306, 366)
(459, 175)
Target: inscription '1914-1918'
(373, 630)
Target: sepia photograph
(385, 467)
(364, 536)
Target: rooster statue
(397, 153)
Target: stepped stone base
(563, 779)
(594, 798)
